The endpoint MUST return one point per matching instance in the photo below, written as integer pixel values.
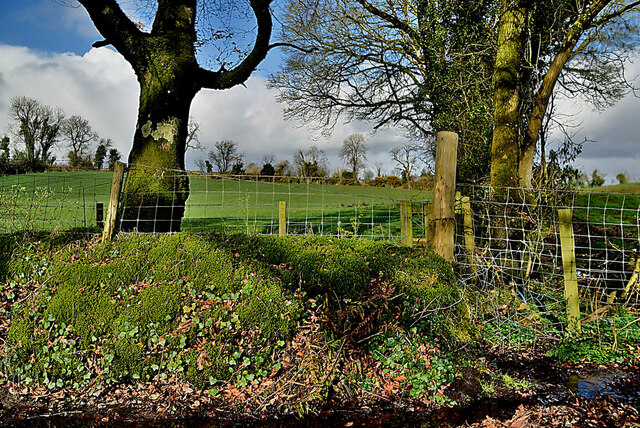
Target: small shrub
(392, 181)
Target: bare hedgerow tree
(406, 158)
(193, 136)
(424, 65)
(312, 162)
(430, 65)
(165, 53)
(224, 154)
(80, 136)
(283, 168)
(378, 168)
(354, 153)
(35, 126)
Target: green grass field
(612, 212)
(52, 201)
(65, 200)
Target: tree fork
(169, 76)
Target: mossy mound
(216, 310)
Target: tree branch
(228, 79)
(604, 19)
(292, 46)
(393, 20)
(117, 29)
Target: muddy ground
(576, 394)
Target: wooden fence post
(406, 225)
(463, 210)
(282, 219)
(444, 193)
(427, 221)
(114, 199)
(569, 266)
(469, 238)
(99, 215)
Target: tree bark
(505, 151)
(164, 61)
(156, 188)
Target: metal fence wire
(252, 204)
(64, 200)
(53, 201)
(510, 254)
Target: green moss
(126, 360)
(268, 308)
(317, 264)
(22, 335)
(157, 306)
(205, 368)
(208, 306)
(434, 301)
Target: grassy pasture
(53, 200)
(65, 200)
(610, 213)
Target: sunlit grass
(64, 200)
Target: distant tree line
(37, 131)
(226, 158)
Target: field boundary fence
(54, 201)
(274, 205)
(281, 205)
(540, 262)
(550, 261)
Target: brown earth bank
(552, 400)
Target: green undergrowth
(610, 334)
(215, 310)
(614, 338)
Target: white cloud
(615, 134)
(101, 86)
(252, 117)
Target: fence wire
(509, 253)
(53, 201)
(63, 200)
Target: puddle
(611, 384)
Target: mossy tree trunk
(156, 189)
(516, 133)
(165, 64)
(505, 150)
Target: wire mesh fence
(56, 201)
(509, 250)
(254, 204)
(53, 201)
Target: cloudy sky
(46, 54)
